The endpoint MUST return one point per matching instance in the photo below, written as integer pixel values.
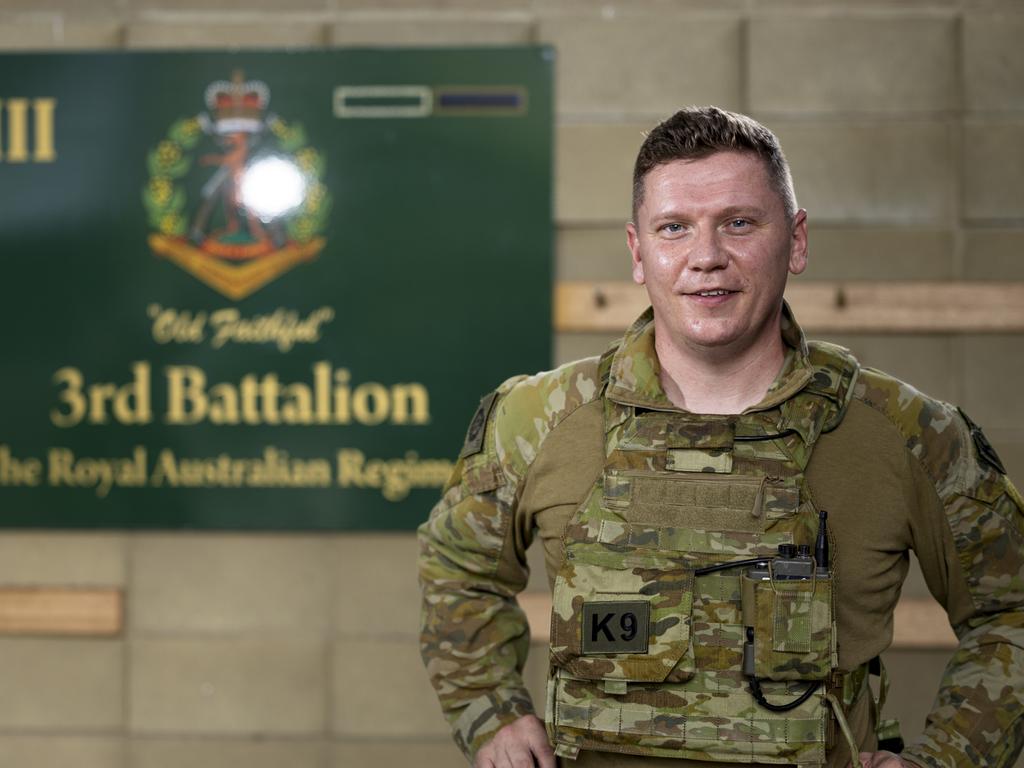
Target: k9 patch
(618, 626)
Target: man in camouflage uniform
(710, 434)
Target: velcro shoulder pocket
(482, 476)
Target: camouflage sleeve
(978, 716)
(474, 637)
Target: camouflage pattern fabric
(474, 637)
(978, 716)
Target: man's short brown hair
(695, 132)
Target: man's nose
(707, 252)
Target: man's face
(711, 225)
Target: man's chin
(712, 335)
(711, 343)
(708, 339)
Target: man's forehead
(726, 179)
(721, 163)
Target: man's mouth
(712, 292)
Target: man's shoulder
(530, 409)
(933, 431)
(523, 411)
(912, 412)
(549, 396)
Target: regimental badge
(235, 194)
(982, 446)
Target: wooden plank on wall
(918, 623)
(60, 611)
(826, 307)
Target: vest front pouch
(793, 628)
(622, 613)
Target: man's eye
(673, 228)
(739, 224)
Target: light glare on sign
(272, 187)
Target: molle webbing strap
(851, 685)
(887, 730)
(844, 727)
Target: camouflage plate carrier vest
(646, 656)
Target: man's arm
(473, 562)
(474, 637)
(978, 716)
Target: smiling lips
(711, 296)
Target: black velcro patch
(982, 446)
(616, 626)
(474, 442)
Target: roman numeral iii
(15, 146)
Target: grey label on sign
(616, 626)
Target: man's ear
(633, 243)
(798, 243)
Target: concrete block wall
(903, 121)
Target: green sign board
(263, 290)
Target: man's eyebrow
(744, 210)
(669, 213)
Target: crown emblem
(237, 106)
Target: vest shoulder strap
(835, 373)
(604, 364)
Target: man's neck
(719, 381)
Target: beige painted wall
(904, 124)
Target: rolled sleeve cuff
(917, 756)
(944, 748)
(485, 716)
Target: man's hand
(882, 759)
(521, 744)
